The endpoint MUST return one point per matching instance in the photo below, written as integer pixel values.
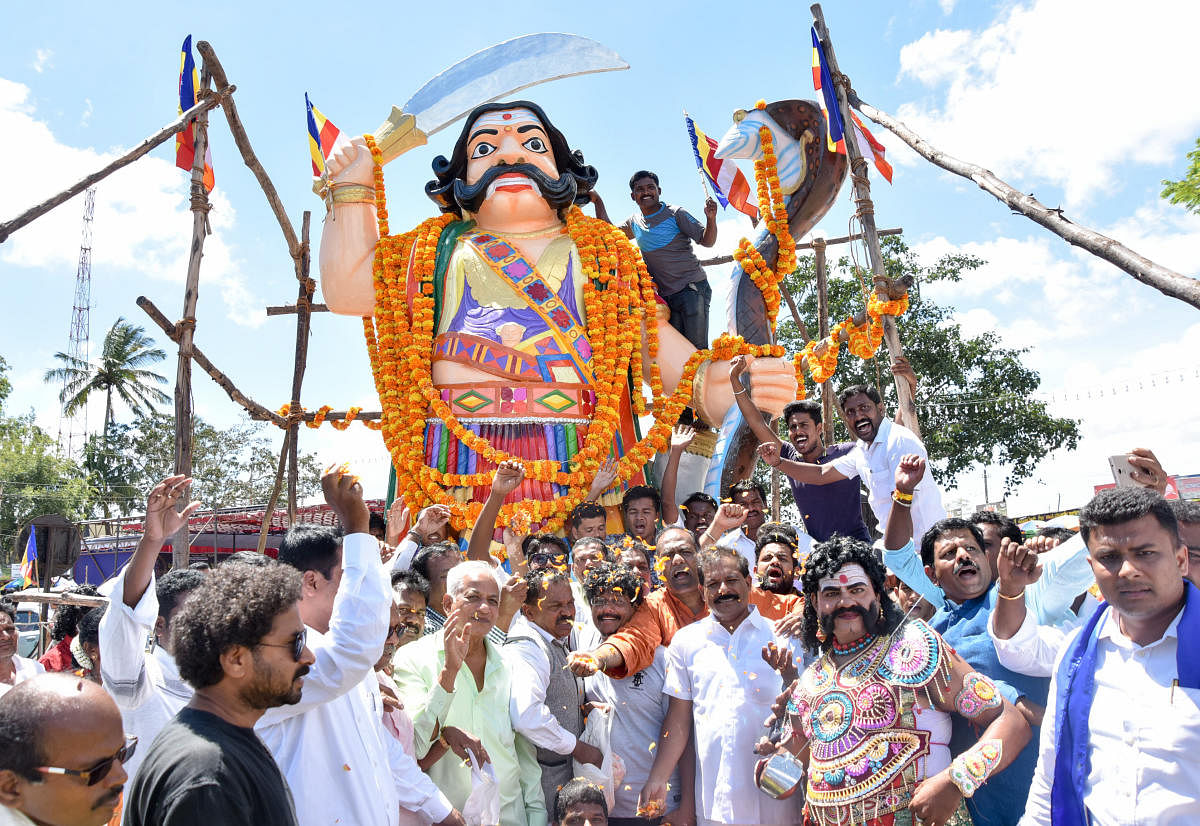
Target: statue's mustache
(558, 192)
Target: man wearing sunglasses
(240, 643)
(61, 753)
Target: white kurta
(1144, 735)
(731, 689)
(331, 745)
(23, 669)
(147, 687)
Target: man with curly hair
(240, 643)
(873, 713)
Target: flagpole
(696, 156)
(866, 215)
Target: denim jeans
(689, 312)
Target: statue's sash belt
(512, 268)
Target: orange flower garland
(773, 208)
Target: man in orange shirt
(667, 610)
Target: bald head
(65, 722)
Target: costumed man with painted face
(519, 364)
(871, 717)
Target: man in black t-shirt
(240, 642)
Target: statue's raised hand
(772, 384)
(352, 164)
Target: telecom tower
(72, 432)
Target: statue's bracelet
(353, 194)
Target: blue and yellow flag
(185, 140)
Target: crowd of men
(705, 666)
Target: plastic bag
(598, 732)
(482, 807)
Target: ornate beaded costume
(864, 744)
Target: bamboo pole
(829, 242)
(307, 287)
(1166, 281)
(253, 408)
(866, 214)
(187, 326)
(213, 65)
(269, 511)
(179, 124)
(823, 328)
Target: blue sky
(1030, 89)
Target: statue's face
(510, 136)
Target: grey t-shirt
(640, 709)
(665, 239)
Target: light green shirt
(483, 714)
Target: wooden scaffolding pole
(303, 300)
(180, 543)
(866, 213)
(818, 246)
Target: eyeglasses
(297, 645)
(98, 772)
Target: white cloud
(42, 60)
(947, 6)
(86, 116)
(142, 224)
(1050, 92)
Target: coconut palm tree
(121, 369)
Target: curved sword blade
(504, 68)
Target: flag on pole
(185, 140)
(727, 181)
(29, 560)
(323, 138)
(835, 135)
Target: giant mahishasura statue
(515, 326)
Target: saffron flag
(29, 560)
(323, 138)
(868, 146)
(727, 181)
(185, 139)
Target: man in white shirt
(547, 699)
(14, 669)
(341, 765)
(721, 688)
(147, 686)
(1121, 739)
(881, 444)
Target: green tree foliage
(232, 467)
(951, 367)
(34, 479)
(1186, 191)
(121, 369)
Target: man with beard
(880, 446)
(240, 643)
(638, 703)
(775, 570)
(954, 559)
(874, 711)
(547, 699)
(336, 756)
(61, 753)
(146, 685)
(722, 673)
(667, 610)
(458, 677)
(512, 344)
(825, 509)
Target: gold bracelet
(354, 194)
(698, 393)
(1005, 596)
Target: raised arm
(349, 237)
(681, 437)
(162, 520)
(900, 554)
(598, 203)
(753, 416)
(710, 223)
(505, 480)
